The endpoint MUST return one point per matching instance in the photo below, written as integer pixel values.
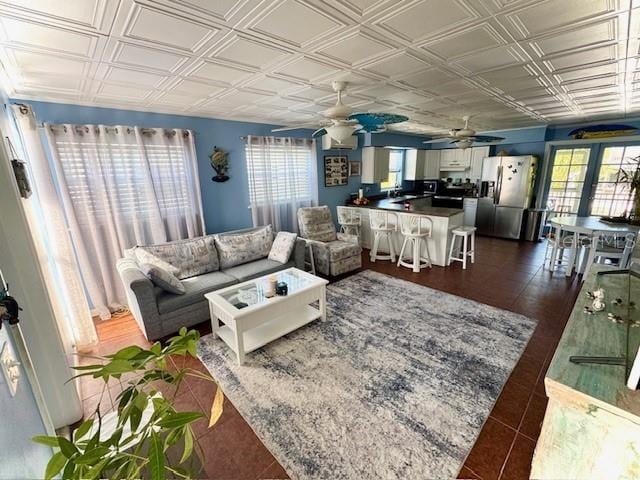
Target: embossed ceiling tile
(596, 92)
(163, 28)
(427, 78)
(597, 82)
(380, 91)
(271, 84)
(242, 97)
(121, 91)
(306, 69)
(178, 99)
(363, 7)
(355, 48)
(489, 59)
(189, 87)
(455, 87)
(592, 56)
(282, 102)
(551, 14)
(284, 23)
(408, 98)
(128, 75)
(32, 34)
(397, 65)
(219, 8)
(576, 38)
(472, 40)
(586, 72)
(30, 62)
(136, 55)
(250, 53)
(48, 81)
(355, 79)
(86, 13)
(313, 93)
(420, 20)
(218, 72)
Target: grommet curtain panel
(120, 187)
(282, 174)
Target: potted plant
(632, 176)
(145, 437)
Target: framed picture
(354, 169)
(336, 171)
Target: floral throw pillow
(163, 279)
(282, 247)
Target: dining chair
(608, 246)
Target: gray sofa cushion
(191, 256)
(195, 288)
(250, 270)
(235, 248)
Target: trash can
(536, 218)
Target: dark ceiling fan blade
(320, 132)
(485, 138)
(439, 139)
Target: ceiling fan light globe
(464, 144)
(340, 133)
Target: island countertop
(418, 205)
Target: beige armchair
(333, 253)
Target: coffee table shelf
(263, 320)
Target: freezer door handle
(496, 196)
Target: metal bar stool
(383, 225)
(416, 230)
(463, 251)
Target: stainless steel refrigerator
(505, 194)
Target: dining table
(586, 227)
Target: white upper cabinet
(432, 164)
(414, 164)
(455, 159)
(375, 164)
(478, 154)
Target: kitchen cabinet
(375, 164)
(455, 159)
(432, 164)
(470, 207)
(478, 154)
(414, 164)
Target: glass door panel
(611, 193)
(568, 173)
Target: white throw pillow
(144, 257)
(163, 279)
(282, 247)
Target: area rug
(396, 383)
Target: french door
(586, 180)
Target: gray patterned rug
(397, 383)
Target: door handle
(496, 196)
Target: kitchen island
(443, 220)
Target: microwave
(430, 186)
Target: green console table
(591, 428)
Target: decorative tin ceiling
(507, 63)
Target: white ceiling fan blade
(286, 129)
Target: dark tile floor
(506, 274)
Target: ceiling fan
(465, 137)
(340, 123)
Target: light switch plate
(10, 368)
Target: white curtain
(53, 245)
(120, 187)
(282, 175)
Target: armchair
(333, 253)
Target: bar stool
(464, 233)
(383, 225)
(350, 220)
(416, 230)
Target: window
(567, 180)
(396, 158)
(612, 195)
(280, 170)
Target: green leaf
(136, 416)
(179, 419)
(183, 331)
(45, 440)
(118, 366)
(56, 462)
(95, 471)
(156, 458)
(156, 348)
(69, 470)
(188, 445)
(91, 456)
(127, 353)
(67, 448)
(83, 429)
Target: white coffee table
(263, 320)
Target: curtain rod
(245, 137)
(81, 128)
